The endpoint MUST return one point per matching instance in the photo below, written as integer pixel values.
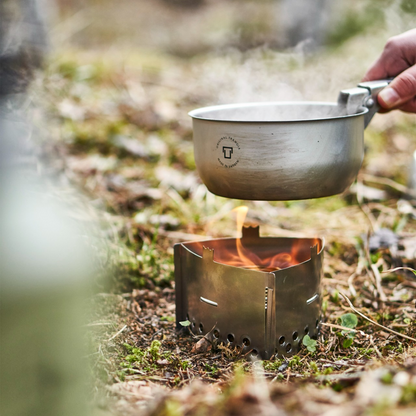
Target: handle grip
(364, 95)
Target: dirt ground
(114, 100)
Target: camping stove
(261, 311)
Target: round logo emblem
(228, 151)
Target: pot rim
(198, 113)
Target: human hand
(398, 60)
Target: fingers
(399, 54)
(384, 67)
(409, 107)
(398, 59)
(401, 92)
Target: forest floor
(118, 133)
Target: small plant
(294, 362)
(184, 365)
(211, 369)
(143, 360)
(335, 297)
(135, 354)
(324, 306)
(272, 365)
(309, 343)
(167, 319)
(348, 320)
(366, 352)
(154, 350)
(313, 366)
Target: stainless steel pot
(284, 150)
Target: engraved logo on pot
(228, 152)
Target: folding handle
(364, 95)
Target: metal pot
(284, 150)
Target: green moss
(294, 361)
(272, 365)
(212, 370)
(313, 366)
(366, 352)
(143, 360)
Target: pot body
(311, 151)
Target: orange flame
(259, 258)
(247, 258)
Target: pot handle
(364, 95)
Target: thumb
(401, 90)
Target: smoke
(264, 75)
(298, 66)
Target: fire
(244, 258)
(252, 258)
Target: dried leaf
(203, 345)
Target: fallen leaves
(203, 345)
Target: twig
(118, 333)
(388, 182)
(350, 283)
(377, 276)
(357, 272)
(375, 323)
(345, 363)
(406, 282)
(399, 268)
(375, 347)
(367, 213)
(375, 273)
(157, 333)
(347, 329)
(344, 328)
